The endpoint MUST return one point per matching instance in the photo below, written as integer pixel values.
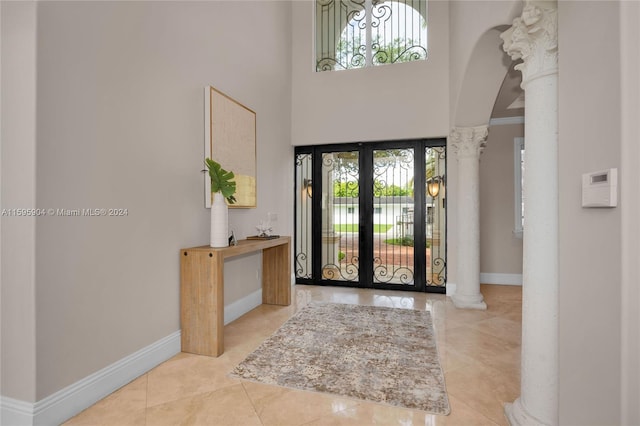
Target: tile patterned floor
(479, 352)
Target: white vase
(219, 221)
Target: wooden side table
(202, 289)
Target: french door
(372, 215)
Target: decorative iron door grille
(436, 218)
(372, 215)
(393, 213)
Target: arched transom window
(360, 33)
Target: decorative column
(467, 144)
(533, 38)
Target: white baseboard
(15, 412)
(501, 279)
(240, 307)
(491, 278)
(68, 402)
(451, 289)
(506, 121)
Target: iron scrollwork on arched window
(359, 33)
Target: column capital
(468, 141)
(533, 37)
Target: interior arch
(486, 70)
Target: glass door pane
(340, 216)
(393, 216)
(372, 215)
(436, 218)
(304, 237)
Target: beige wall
(18, 285)
(500, 249)
(409, 100)
(589, 240)
(120, 124)
(630, 211)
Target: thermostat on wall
(600, 189)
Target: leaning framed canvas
(230, 139)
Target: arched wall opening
(485, 72)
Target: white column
(533, 38)
(467, 144)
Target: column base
(469, 302)
(517, 415)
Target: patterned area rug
(376, 354)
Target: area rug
(376, 354)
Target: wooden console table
(202, 289)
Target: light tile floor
(479, 352)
